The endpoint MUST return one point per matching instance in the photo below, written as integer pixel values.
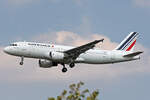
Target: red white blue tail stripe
(128, 43)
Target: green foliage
(75, 93)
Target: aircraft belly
(96, 59)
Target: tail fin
(128, 43)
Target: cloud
(142, 3)
(30, 71)
(4, 57)
(74, 39)
(149, 60)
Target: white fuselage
(92, 56)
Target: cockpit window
(13, 44)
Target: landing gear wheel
(72, 65)
(64, 70)
(21, 63)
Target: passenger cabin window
(13, 44)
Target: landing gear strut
(22, 59)
(64, 68)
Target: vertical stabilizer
(128, 43)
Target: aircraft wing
(75, 52)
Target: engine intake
(47, 64)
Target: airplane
(51, 55)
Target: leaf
(76, 94)
(59, 98)
(64, 92)
(88, 98)
(85, 91)
(51, 98)
(82, 95)
(81, 83)
(70, 97)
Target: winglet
(102, 40)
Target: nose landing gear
(22, 59)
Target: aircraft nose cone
(6, 50)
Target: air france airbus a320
(50, 55)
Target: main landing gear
(64, 69)
(22, 59)
(72, 65)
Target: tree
(75, 93)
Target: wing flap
(133, 54)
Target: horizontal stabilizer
(133, 54)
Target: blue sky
(28, 19)
(113, 18)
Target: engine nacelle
(47, 64)
(58, 56)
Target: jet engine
(47, 64)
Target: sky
(74, 22)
